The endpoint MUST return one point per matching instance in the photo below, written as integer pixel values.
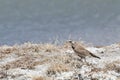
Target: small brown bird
(81, 51)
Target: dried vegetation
(28, 56)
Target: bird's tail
(95, 56)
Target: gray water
(92, 21)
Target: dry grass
(27, 61)
(29, 56)
(63, 63)
(27, 47)
(36, 48)
(113, 66)
(57, 68)
(6, 50)
(42, 78)
(39, 78)
(50, 48)
(24, 62)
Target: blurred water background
(93, 21)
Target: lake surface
(92, 21)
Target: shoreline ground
(52, 62)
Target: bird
(81, 51)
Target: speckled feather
(81, 51)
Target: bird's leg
(80, 59)
(84, 61)
(87, 62)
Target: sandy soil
(51, 62)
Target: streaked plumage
(81, 51)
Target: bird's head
(72, 43)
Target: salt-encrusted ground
(50, 62)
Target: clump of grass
(57, 68)
(66, 45)
(24, 62)
(113, 66)
(39, 78)
(6, 50)
(50, 48)
(27, 61)
(29, 47)
(29, 55)
(26, 48)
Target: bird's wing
(94, 55)
(81, 52)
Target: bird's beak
(70, 41)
